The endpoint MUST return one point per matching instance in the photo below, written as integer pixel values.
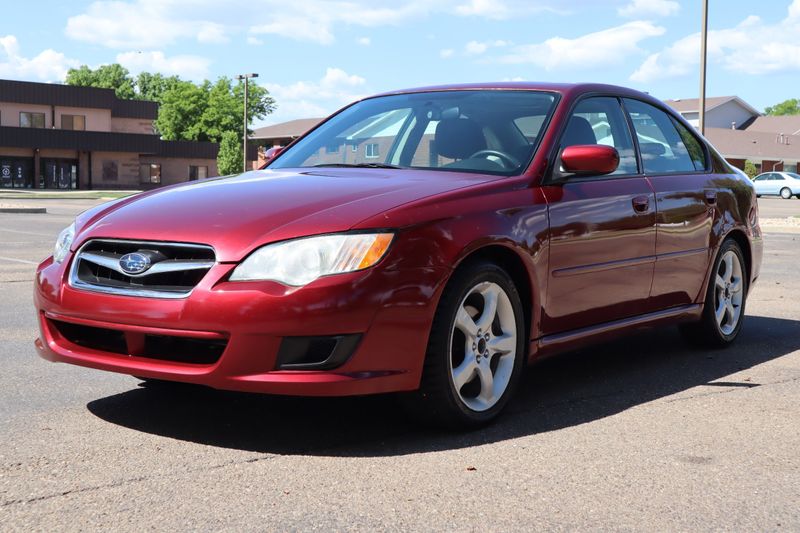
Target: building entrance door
(59, 174)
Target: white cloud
(477, 48)
(446, 53)
(314, 20)
(185, 66)
(751, 47)
(142, 24)
(255, 41)
(155, 24)
(602, 48)
(48, 65)
(306, 99)
(496, 9)
(645, 8)
(364, 41)
(507, 9)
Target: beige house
(741, 133)
(63, 137)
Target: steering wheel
(508, 160)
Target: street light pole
(703, 56)
(245, 77)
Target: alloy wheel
(729, 292)
(483, 346)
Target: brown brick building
(63, 137)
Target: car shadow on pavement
(565, 391)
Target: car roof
(562, 88)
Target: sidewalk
(54, 194)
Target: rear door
(602, 229)
(676, 162)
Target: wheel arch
(512, 262)
(738, 235)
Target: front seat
(579, 132)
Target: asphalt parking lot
(641, 434)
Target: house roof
(692, 105)
(789, 124)
(744, 144)
(290, 129)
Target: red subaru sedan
(431, 241)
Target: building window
(73, 122)
(150, 173)
(355, 148)
(31, 120)
(110, 170)
(197, 173)
(332, 149)
(371, 150)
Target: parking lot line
(15, 260)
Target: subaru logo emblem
(134, 263)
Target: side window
(600, 121)
(662, 147)
(693, 146)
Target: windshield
(486, 131)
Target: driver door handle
(641, 204)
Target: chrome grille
(174, 268)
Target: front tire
(476, 349)
(786, 193)
(723, 311)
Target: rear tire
(786, 193)
(724, 307)
(476, 350)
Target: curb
(26, 210)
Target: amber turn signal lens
(377, 250)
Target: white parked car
(783, 184)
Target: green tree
(229, 160)
(113, 76)
(181, 106)
(750, 169)
(153, 85)
(787, 107)
(225, 105)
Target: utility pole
(245, 77)
(703, 57)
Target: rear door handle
(711, 197)
(641, 204)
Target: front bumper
(390, 310)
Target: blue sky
(317, 55)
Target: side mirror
(273, 152)
(589, 160)
(269, 155)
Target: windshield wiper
(359, 165)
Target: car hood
(237, 214)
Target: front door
(602, 229)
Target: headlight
(63, 243)
(301, 261)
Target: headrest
(459, 138)
(579, 132)
(652, 149)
